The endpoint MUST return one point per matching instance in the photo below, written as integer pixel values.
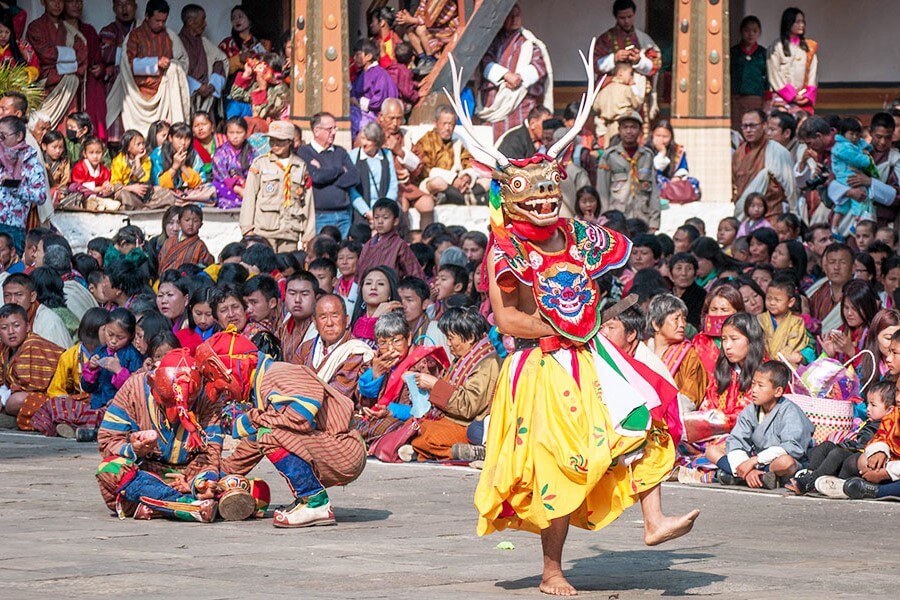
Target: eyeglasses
(750, 125)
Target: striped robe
(189, 251)
(305, 420)
(29, 368)
(292, 334)
(143, 43)
(135, 409)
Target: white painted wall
(99, 14)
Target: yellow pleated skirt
(551, 450)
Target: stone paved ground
(408, 531)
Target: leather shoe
(858, 488)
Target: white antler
(466, 121)
(584, 110)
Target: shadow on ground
(633, 569)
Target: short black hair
(100, 245)
(683, 257)
(20, 279)
(324, 263)
(332, 232)
(304, 275)
(125, 318)
(886, 390)
(351, 245)
(232, 250)
(748, 20)
(882, 119)
(366, 46)
(388, 204)
(785, 281)
(163, 338)
(8, 310)
(261, 257)
(632, 320)
(460, 274)
(157, 6)
(777, 372)
(325, 246)
(837, 247)
(360, 232)
(666, 244)
(850, 125)
(234, 273)
(786, 121)
(424, 255)
(264, 284)
(189, 11)
(415, 284)
(91, 322)
(620, 5)
(191, 208)
(689, 229)
(20, 101)
(223, 292)
(646, 240)
(879, 247)
(466, 323)
(85, 264)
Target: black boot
(858, 488)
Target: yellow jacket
(67, 379)
(121, 173)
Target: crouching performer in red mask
(285, 413)
(161, 443)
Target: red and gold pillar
(701, 93)
(319, 78)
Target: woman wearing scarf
(721, 303)
(743, 350)
(383, 394)
(465, 391)
(23, 181)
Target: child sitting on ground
(387, 248)
(785, 331)
(231, 163)
(91, 180)
(130, 175)
(829, 463)
(771, 436)
(56, 161)
(187, 248)
(110, 365)
(69, 406)
(176, 166)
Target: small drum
(236, 503)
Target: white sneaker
(406, 453)
(304, 516)
(830, 486)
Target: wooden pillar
(320, 78)
(701, 93)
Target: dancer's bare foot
(669, 528)
(554, 583)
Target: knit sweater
(332, 179)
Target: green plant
(15, 77)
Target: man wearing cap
(277, 204)
(625, 175)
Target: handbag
(679, 191)
(385, 448)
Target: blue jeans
(339, 218)
(18, 236)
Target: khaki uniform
(264, 210)
(637, 197)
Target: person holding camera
(23, 180)
(762, 166)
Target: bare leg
(659, 528)
(425, 206)
(415, 42)
(553, 582)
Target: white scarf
(507, 100)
